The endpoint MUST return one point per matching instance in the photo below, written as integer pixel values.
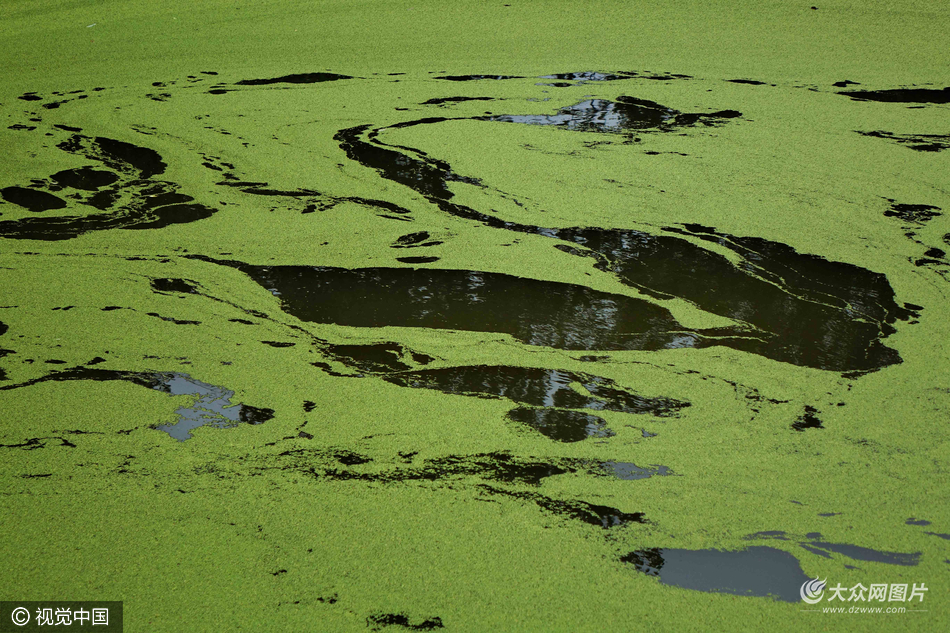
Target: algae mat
(476, 317)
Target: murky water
(444, 332)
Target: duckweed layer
(349, 317)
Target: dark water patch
(824, 314)
(171, 214)
(537, 387)
(536, 312)
(750, 82)
(301, 78)
(103, 200)
(797, 308)
(845, 84)
(945, 537)
(319, 201)
(664, 76)
(34, 443)
(812, 542)
(919, 142)
(415, 240)
(421, 359)
(53, 229)
(756, 571)
(623, 115)
(278, 343)
(168, 284)
(376, 358)
(498, 467)
(477, 77)
(172, 319)
(85, 373)
(20, 126)
(378, 621)
(808, 420)
(348, 458)
(935, 252)
(443, 100)
(629, 471)
(901, 95)
(30, 96)
(918, 214)
(32, 199)
(866, 553)
(562, 425)
(121, 156)
(597, 515)
(85, 178)
(805, 310)
(417, 260)
(915, 521)
(428, 176)
(780, 535)
(151, 203)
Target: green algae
(375, 499)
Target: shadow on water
(756, 571)
(129, 191)
(901, 95)
(301, 78)
(791, 307)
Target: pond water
(426, 340)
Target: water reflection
(624, 114)
(562, 425)
(834, 323)
(796, 308)
(756, 571)
(537, 387)
(552, 314)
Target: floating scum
(340, 318)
